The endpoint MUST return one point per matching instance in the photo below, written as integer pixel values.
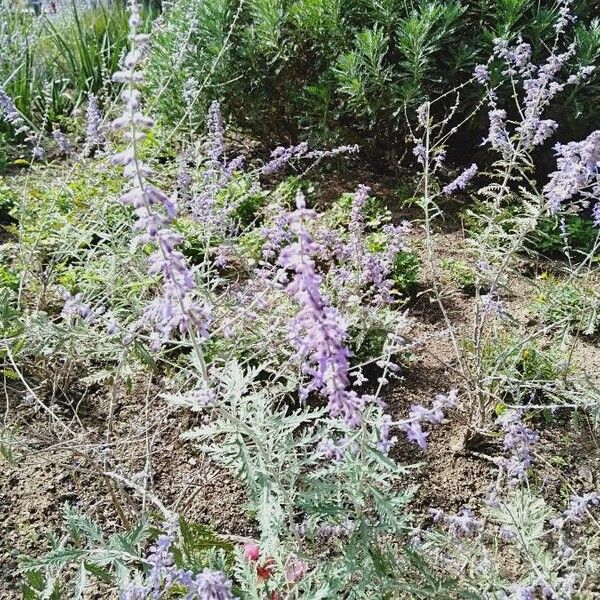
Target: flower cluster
(518, 440)
(417, 416)
(75, 306)
(164, 576)
(460, 183)
(63, 142)
(498, 136)
(578, 510)
(276, 235)
(540, 86)
(317, 330)
(462, 525)
(335, 450)
(577, 173)
(94, 138)
(217, 175)
(176, 309)
(357, 266)
(282, 155)
(10, 113)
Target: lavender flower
(517, 592)
(358, 267)
(94, 139)
(518, 440)
(317, 330)
(281, 156)
(517, 58)
(540, 86)
(481, 74)
(386, 442)
(277, 235)
(535, 131)
(577, 173)
(420, 152)
(414, 433)
(319, 154)
(336, 449)
(327, 530)
(215, 144)
(498, 136)
(217, 174)
(164, 575)
(579, 507)
(184, 181)
(38, 152)
(434, 414)
(507, 533)
(462, 525)
(417, 416)
(190, 91)
(491, 303)
(63, 142)
(75, 306)
(564, 16)
(176, 309)
(10, 113)
(460, 183)
(596, 210)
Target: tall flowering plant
(176, 309)
(317, 331)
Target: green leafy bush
(327, 69)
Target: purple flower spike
(577, 173)
(164, 575)
(175, 310)
(317, 330)
(460, 183)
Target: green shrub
(550, 241)
(406, 271)
(333, 69)
(513, 368)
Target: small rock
(586, 473)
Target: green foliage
(86, 49)
(513, 367)
(406, 271)
(196, 545)
(327, 69)
(550, 236)
(368, 343)
(52, 62)
(578, 237)
(87, 554)
(7, 199)
(573, 303)
(270, 447)
(461, 273)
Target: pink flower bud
(251, 552)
